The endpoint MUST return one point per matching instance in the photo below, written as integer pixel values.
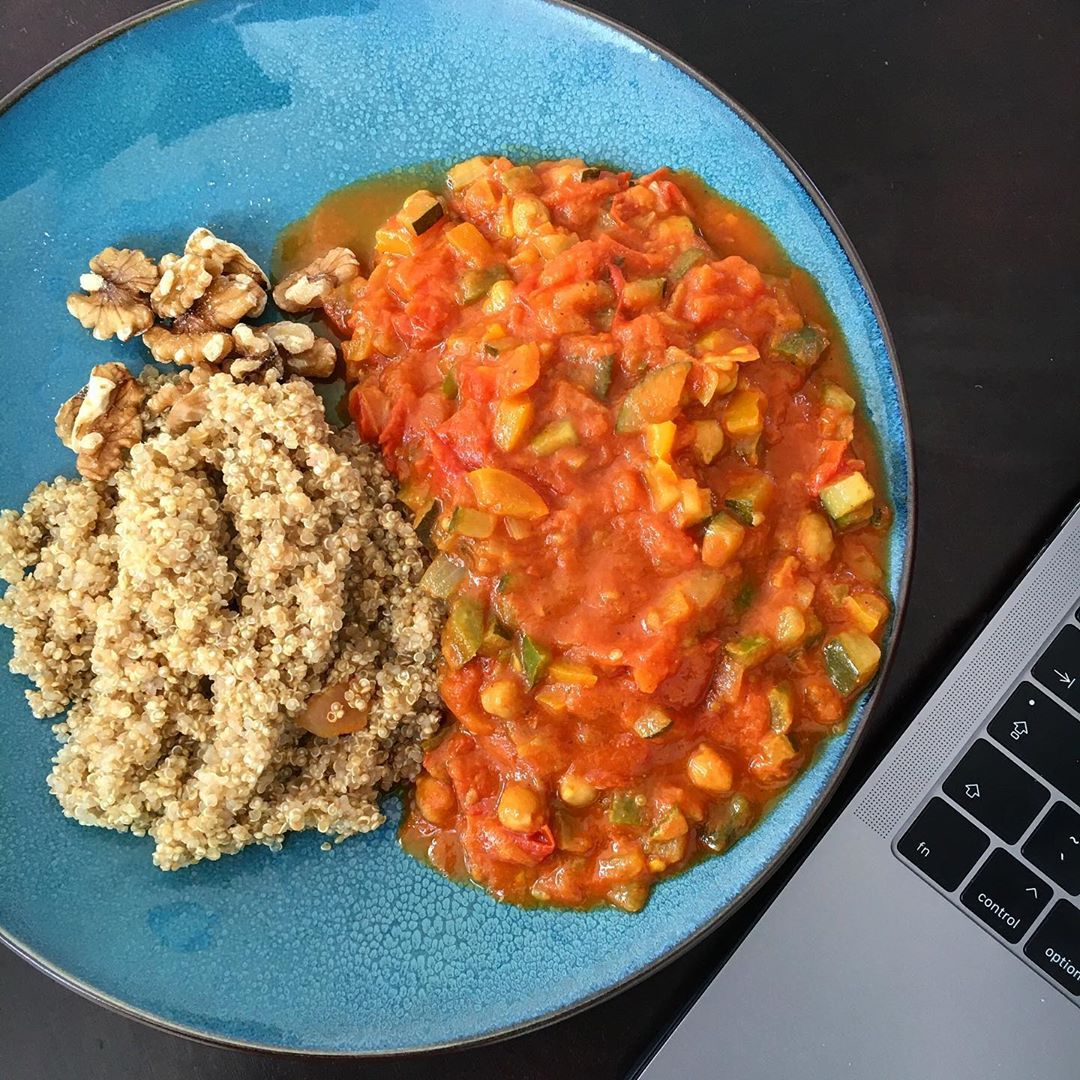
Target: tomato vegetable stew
(629, 431)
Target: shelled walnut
(115, 300)
(102, 421)
(312, 287)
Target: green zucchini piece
(463, 632)
(836, 397)
(726, 823)
(467, 521)
(746, 500)
(652, 722)
(449, 385)
(654, 399)
(683, 263)
(443, 576)
(781, 708)
(749, 650)
(475, 284)
(556, 436)
(534, 660)
(427, 217)
(851, 658)
(744, 597)
(627, 808)
(802, 347)
(846, 495)
(590, 174)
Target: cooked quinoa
(186, 611)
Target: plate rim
(100, 997)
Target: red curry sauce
(657, 531)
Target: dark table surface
(945, 136)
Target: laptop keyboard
(1000, 832)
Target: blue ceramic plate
(240, 116)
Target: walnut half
(267, 353)
(102, 421)
(114, 303)
(311, 287)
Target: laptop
(934, 932)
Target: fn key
(943, 844)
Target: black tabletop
(945, 136)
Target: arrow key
(995, 791)
(1058, 669)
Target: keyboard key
(1043, 735)
(1058, 669)
(1006, 895)
(1054, 847)
(1055, 945)
(996, 791)
(943, 844)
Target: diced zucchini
(846, 495)
(851, 658)
(744, 597)
(443, 576)
(602, 383)
(474, 284)
(726, 823)
(639, 294)
(590, 174)
(790, 627)
(505, 494)
(593, 376)
(669, 826)
(708, 440)
(802, 347)
(868, 610)
(517, 529)
(654, 399)
(534, 660)
(652, 722)
(836, 397)
(499, 296)
(683, 263)
(466, 172)
(558, 435)
(463, 632)
(749, 650)
(513, 416)
(781, 708)
(449, 385)
(814, 537)
(660, 439)
(520, 179)
(465, 521)
(627, 808)
(695, 504)
(748, 498)
(746, 448)
(420, 211)
(723, 537)
(703, 587)
(571, 673)
(775, 751)
(496, 643)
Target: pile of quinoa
(185, 611)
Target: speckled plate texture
(240, 116)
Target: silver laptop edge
(863, 967)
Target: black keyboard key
(1054, 847)
(1043, 735)
(1055, 945)
(1006, 895)
(943, 844)
(1058, 669)
(996, 791)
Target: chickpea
(574, 791)
(814, 536)
(520, 808)
(528, 214)
(710, 771)
(502, 698)
(435, 800)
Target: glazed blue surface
(240, 116)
